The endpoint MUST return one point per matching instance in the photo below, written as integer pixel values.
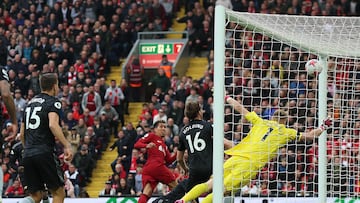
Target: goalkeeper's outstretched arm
(317, 132)
(236, 105)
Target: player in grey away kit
(40, 126)
(196, 138)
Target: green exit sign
(156, 48)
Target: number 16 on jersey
(197, 144)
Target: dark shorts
(40, 170)
(197, 177)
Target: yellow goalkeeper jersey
(263, 141)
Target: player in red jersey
(155, 169)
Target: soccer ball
(313, 66)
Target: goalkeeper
(254, 151)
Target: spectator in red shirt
(92, 101)
(155, 169)
(119, 170)
(145, 108)
(15, 189)
(6, 173)
(134, 157)
(76, 111)
(89, 119)
(288, 189)
(79, 66)
(7, 18)
(264, 190)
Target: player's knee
(37, 196)
(59, 192)
(147, 190)
(172, 185)
(210, 184)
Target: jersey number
(32, 118)
(267, 134)
(197, 144)
(161, 149)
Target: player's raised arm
(22, 133)
(317, 132)
(144, 142)
(170, 158)
(236, 105)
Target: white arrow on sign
(168, 49)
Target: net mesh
(324, 35)
(265, 70)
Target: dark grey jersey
(196, 137)
(38, 136)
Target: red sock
(143, 198)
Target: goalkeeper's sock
(208, 198)
(195, 192)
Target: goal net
(263, 66)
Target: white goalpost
(260, 61)
(219, 47)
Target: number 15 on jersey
(32, 117)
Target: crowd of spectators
(81, 40)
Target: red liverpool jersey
(158, 155)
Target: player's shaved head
(47, 81)
(192, 110)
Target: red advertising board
(153, 61)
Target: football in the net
(313, 66)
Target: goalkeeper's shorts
(238, 172)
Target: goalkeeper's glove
(326, 124)
(226, 97)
